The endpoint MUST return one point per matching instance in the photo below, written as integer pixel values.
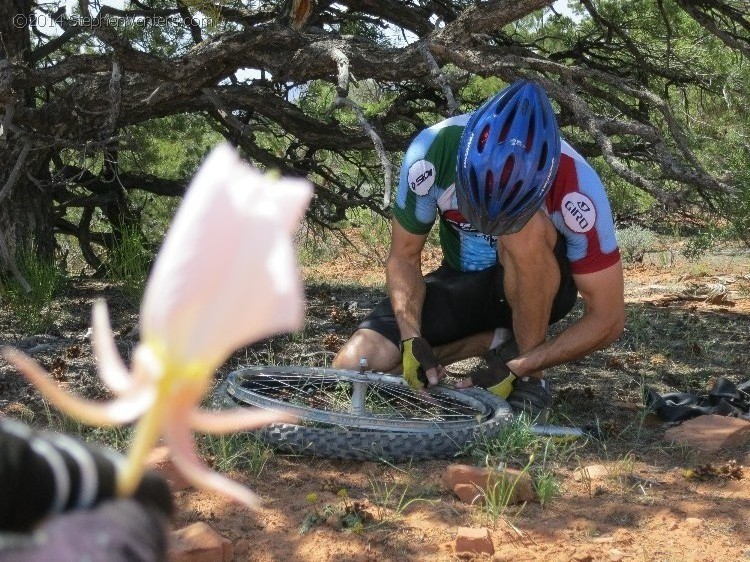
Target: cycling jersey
(577, 204)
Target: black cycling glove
(498, 378)
(417, 357)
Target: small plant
(546, 486)
(634, 242)
(512, 439)
(129, 261)
(237, 451)
(389, 502)
(32, 306)
(500, 491)
(349, 516)
(116, 438)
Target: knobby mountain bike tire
(391, 422)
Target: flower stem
(146, 433)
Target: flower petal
(226, 274)
(115, 412)
(238, 419)
(177, 436)
(112, 370)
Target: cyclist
(525, 225)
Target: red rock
(199, 542)
(469, 493)
(591, 473)
(486, 479)
(160, 460)
(710, 433)
(474, 541)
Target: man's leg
(381, 353)
(465, 348)
(456, 320)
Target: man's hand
(498, 378)
(420, 368)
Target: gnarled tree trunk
(25, 207)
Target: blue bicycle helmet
(507, 159)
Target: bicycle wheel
(346, 414)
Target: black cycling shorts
(459, 304)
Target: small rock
(591, 473)
(710, 433)
(486, 479)
(582, 557)
(616, 555)
(693, 522)
(601, 540)
(335, 522)
(160, 460)
(469, 493)
(672, 526)
(474, 541)
(242, 548)
(199, 542)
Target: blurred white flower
(225, 276)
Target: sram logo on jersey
(421, 177)
(578, 212)
(457, 220)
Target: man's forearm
(585, 336)
(406, 290)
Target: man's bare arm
(406, 287)
(601, 324)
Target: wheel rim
(350, 399)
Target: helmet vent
(506, 125)
(474, 185)
(489, 187)
(507, 170)
(542, 157)
(530, 134)
(527, 197)
(483, 138)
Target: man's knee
(381, 353)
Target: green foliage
(514, 440)
(516, 444)
(238, 451)
(497, 497)
(346, 515)
(546, 486)
(116, 437)
(391, 500)
(158, 146)
(129, 261)
(32, 308)
(634, 242)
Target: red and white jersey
(578, 206)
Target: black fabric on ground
(116, 531)
(724, 399)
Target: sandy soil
(646, 508)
